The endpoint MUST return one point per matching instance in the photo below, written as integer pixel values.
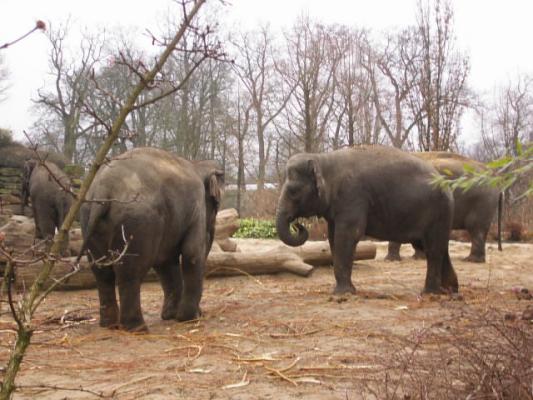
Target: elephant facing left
(164, 207)
(48, 188)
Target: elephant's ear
(320, 184)
(215, 185)
(29, 166)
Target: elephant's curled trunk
(283, 222)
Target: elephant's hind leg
(393, 252)
(170, 278)
(193, 264)
(105, 282)
(477, 249)
(129, 290)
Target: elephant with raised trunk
(377, 191)
(473, 209)
(48, 187)
(164, 207)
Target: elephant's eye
(292, 191)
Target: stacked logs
(225, 259)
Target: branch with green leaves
(502, 173)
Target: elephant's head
(213, 177)
(302, 195)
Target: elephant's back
(385, 162)
(41, 180)
(147, 181)
(145, 171)
(448, 163)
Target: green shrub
(6, 137)
(252, 228)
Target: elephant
(377, 191)
(164, 207)
(473, 209)
(49, 189)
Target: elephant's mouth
(291, 231)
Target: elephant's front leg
(345, 239)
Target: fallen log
(227, 223)
(319, 253)
(218, 264)
(272, 261)
(275, 259)
(227, 245)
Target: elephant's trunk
(283, 221)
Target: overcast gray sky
(496, 34)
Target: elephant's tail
(500, 212)
(96, 211)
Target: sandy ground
(263, 337)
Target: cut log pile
(225, 258)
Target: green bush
(252, 228)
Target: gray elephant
(473, 210)
(49, 188)
(369, 190)
(165, 208)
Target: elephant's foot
(109, 317)
(136, 329)
(434, 290)
(445, 288)
(419, 255)
(474, 259)
(450, 283)
(134, 325)
(188, 312)
(393, 257)
(108, 325)
(169, 312)
(344, 289)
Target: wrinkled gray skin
(49, 200)
(166, 207)
(369, 190)
(473, 210)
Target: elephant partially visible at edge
(474, 209)
(369, 190)
(165, 208)
(50, 197)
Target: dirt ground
(262, 337)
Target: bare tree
(514, 114)
(4, 79)
(256, 71)
(442, 89)
(241, 131)
(355, 114)
(394, 76)
(72, 74)
(309, 68)
(506, 120)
